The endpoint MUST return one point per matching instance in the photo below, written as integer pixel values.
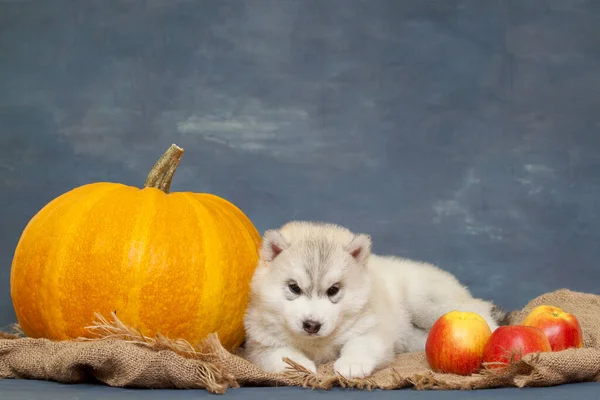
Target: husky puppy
(319, 295)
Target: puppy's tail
(500, 316)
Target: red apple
(455, 343)
(513, 342)
(561, 328)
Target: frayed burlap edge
(14, 332)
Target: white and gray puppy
(318, 295)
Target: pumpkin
(175, 264)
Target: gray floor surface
(38, 390)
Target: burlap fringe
(213, 377)
(13, 332)
(103, 329)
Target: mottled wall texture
(463, 133)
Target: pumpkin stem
(161, 174)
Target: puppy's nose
(311, 326)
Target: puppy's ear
(273, 243)
(360, 248)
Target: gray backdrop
(464, 133)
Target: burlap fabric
(126, 359)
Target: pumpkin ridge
(98, 250)
(249, 228)
(236, 226)
(172, 273)
(227, 224)
(142, 230)
(30, 234)
(212, 248)
(186, 249)
(59, 251)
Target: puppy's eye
(294, 288)
(332, 291)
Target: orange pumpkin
(177, 264)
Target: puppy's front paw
(352, 367)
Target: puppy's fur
(378, 306)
